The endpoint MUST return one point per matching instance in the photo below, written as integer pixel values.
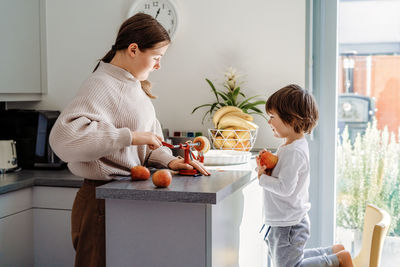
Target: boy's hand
(262, 151)
(261, 168)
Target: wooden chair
(376, 225)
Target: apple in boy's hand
(268, 159)
(140, 173)
(162, 178)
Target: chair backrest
(376, 225)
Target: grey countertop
(26, 178)
(222, 182)
(201, 189)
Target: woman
(111, 126)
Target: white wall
(264, 39)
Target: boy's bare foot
(337, 247)
(344, 258)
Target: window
(368, 151)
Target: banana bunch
(233, 129)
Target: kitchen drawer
(53, 197)
(14, 202)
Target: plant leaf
(205, 115)
(235, 94)
(223, 95)
(228, 102)
(247, 100)
(251, 105)
(196, 108)
(256, 110)
(213, 107)
(213, 89)
(227, 98)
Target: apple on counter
(162, 178)
(140, 173)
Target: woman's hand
(146, 138)
(179, 164)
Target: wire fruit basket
(232, 139)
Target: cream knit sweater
(93, 133)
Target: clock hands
(158, 12)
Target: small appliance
(8, 156)
(31, 129)
(201, 144)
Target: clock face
(164, 11)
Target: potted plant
(231, 114)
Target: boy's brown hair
(295, 106)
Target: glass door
(368, 114)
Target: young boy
(293, 113)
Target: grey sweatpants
(286, 247)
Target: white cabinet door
(52, 226)
(53, 245)
(20, 48)
(16, 239)
(35, 227)
(16, 231)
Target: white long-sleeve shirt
(286, 199)
(93, 133)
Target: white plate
(226, 157)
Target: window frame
(322, 80)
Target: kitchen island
(196, 221)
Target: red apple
(268, 159)
(140, 173)
(162, 178)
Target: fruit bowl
(232, 139)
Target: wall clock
(165, 11)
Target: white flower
(230, 75)
(231, 84)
